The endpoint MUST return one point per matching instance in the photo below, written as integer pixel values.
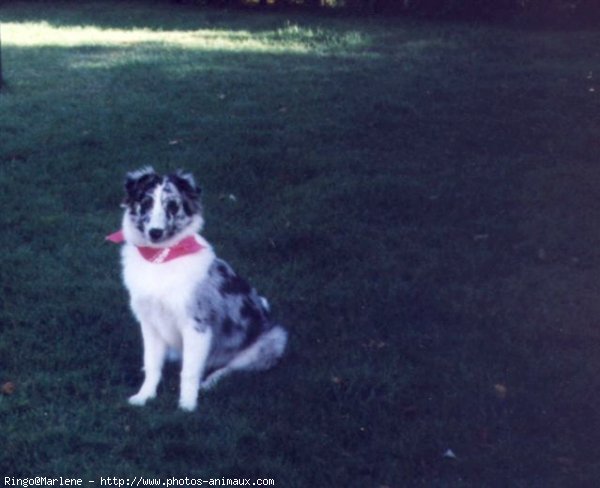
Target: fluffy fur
(194, 306)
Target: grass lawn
(419, 201)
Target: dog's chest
(171, 284)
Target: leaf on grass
(8, 388)
(500, 390)
(449, 454)
(565, 462)
(231, 197)
(375, 344)
(410, 411)
(483, 435)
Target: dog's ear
(137, 183)
(190, 191)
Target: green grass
(418, 200)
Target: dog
(189, 303)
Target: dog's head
(161, 210)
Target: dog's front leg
(155, 350)
(196, 346)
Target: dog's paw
(138, 400)
(187, 405)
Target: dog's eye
(172, 207)
(146, 204)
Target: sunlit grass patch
(320, 38)
(288, 39)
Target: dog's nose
(155, 234)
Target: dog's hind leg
(262, 354)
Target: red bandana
(186, 246)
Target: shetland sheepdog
(188, 302)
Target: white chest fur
(162, 293)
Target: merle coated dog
(189, 303)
